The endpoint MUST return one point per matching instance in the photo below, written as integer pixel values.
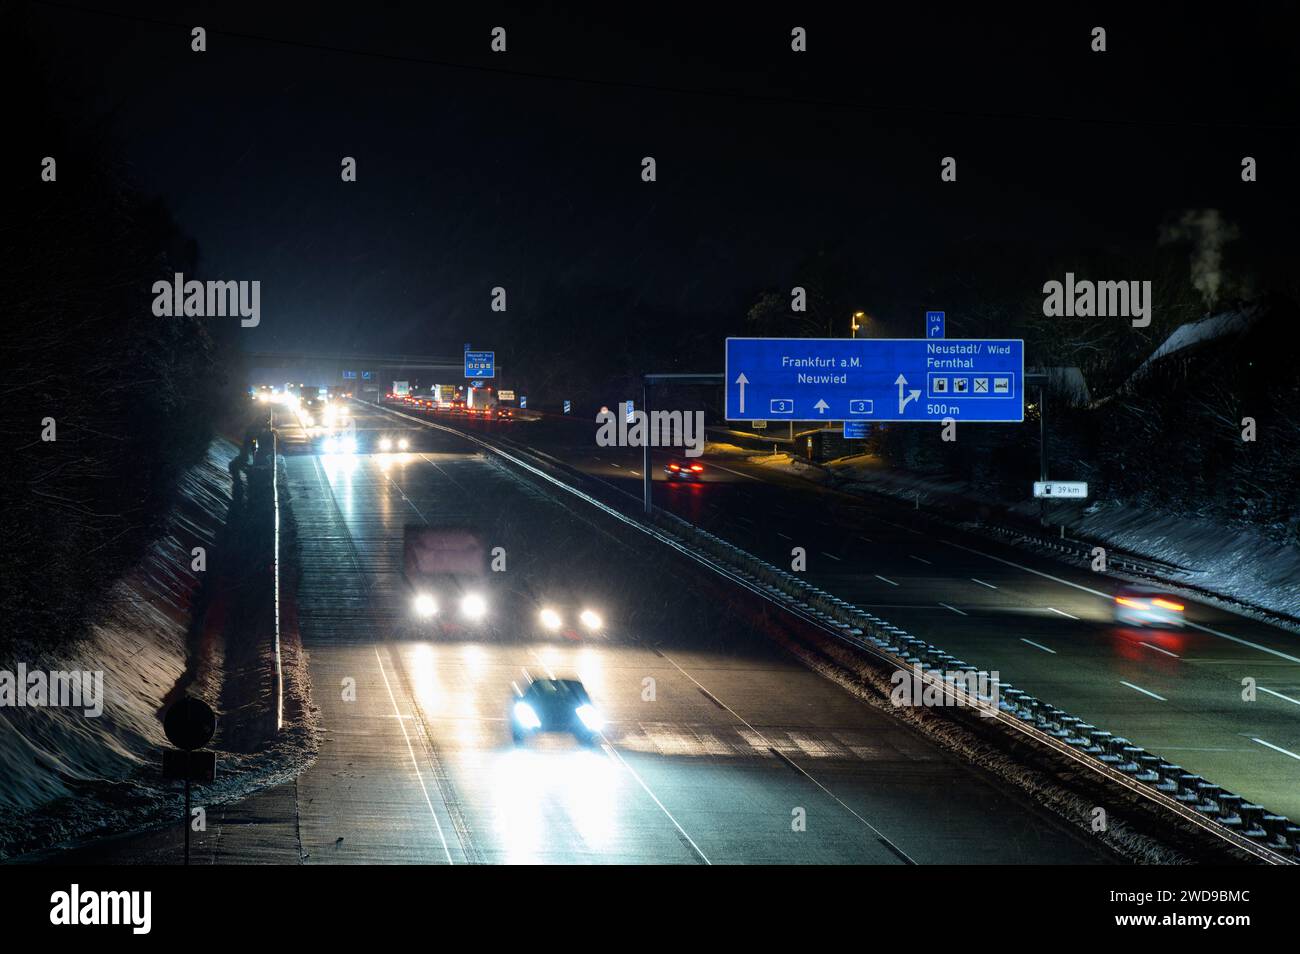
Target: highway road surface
(1045, 626)
(719, 747)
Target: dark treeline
(129, 398)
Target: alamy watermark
(62, 689)
(208, 299)
(1087, 299)
(961, 687)
(630, 428)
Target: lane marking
(1280, 696)
(1061, 613)
(866, 539)
(982, 583)
(1276, 748)
(920, 559)
(736, 472)
(1146, 692)
(1110, 599)
(414, 761)
(783, 536)
(1038, 645)
(954, 609)
(831, 555)
(1165, 651)
(613, 753)
(797, 767)
(886, 579)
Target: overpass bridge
(357, 368)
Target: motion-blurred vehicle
(571, 622)
(389, 444)
(555, 705)
(311, 413)
(1146, 606)
(447, 570)
(684, 470)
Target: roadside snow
(67, 774)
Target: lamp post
(855, 323)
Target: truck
(447, 570)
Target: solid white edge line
(646, 788)
(414, 761)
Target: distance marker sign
(875, 379)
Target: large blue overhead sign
(480, 364)
(875, 379)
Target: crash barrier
(1264, 835)
(278, 688)
(1082, 549)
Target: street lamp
(854, 325)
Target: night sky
(523, 169)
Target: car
(311, 413)
(684, 470)
(555, 705)
(1146, 606)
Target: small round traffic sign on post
(189, 723)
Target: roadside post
(189, 724)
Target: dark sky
(522, 170)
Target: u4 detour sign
(875, 379)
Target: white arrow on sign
(821, 406)
(911, 395)
(742, 381)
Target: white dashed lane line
(1061, 613)
(920, 559)
(1038, 645)
(1159, 650)
(1145, 692)
(886, 579)
(982, 583)
(1276, 748)
(831, 555)
(1295, 702)
(954, 609)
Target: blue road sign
(523, 400)
(857, 430)
(875, 379)
(367, 375)
(934, 321)
(480, 364)
(349, 374)
(567, 407)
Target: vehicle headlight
(349, 445)
(550, 619)
(590, 717)
(331, 445)
(591, 619)
(306, 420)
(526, 717)
(385, 444)
(403, 444)
(473, 606)
(426, 605)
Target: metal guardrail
(1266, 836)
(275, 570)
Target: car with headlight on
(570, 621)
(684, 470)
(311, 413)
(447, 570)
(387, 444)
(1146, 606)
(555, 705)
